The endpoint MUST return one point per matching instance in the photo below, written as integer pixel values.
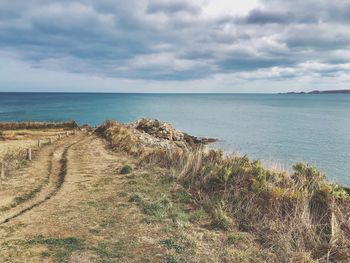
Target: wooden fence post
(2, 170)
(29, 154)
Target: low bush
(126, 169)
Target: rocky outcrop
(147, 134)
(164, 132)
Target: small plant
(196, 216)
(221, 219)
(339, 192)
(224, 173)
(158, 209)
(135, 198)
(126, 169)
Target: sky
(235, 46)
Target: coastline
(165, 178)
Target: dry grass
(298, 217)
(120, 138)
(22, 180)
(294, 216)
(101, 215)
(176, 206)
(14, 145)
(38, 125)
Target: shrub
(126, 169)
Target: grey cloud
(259, 16)
(173, 7)
(105, 37)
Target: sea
(278, 129)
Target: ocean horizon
(278, 129)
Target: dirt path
(98, 214)
(84, 207)
(49, 169)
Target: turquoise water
(277, 129)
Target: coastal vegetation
(297, 216)
(145, 192)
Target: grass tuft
(135, 198)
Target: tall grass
(14, 160)
(120, 138)
(295, 215)
(298, 216)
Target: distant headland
(320, 92)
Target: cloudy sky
(174, 45)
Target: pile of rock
(145, 134)
(156, 132)
(160, 130)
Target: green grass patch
(183, 197)
(158, 208)
(196, 216)
(59, 248)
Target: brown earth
(73, 204)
